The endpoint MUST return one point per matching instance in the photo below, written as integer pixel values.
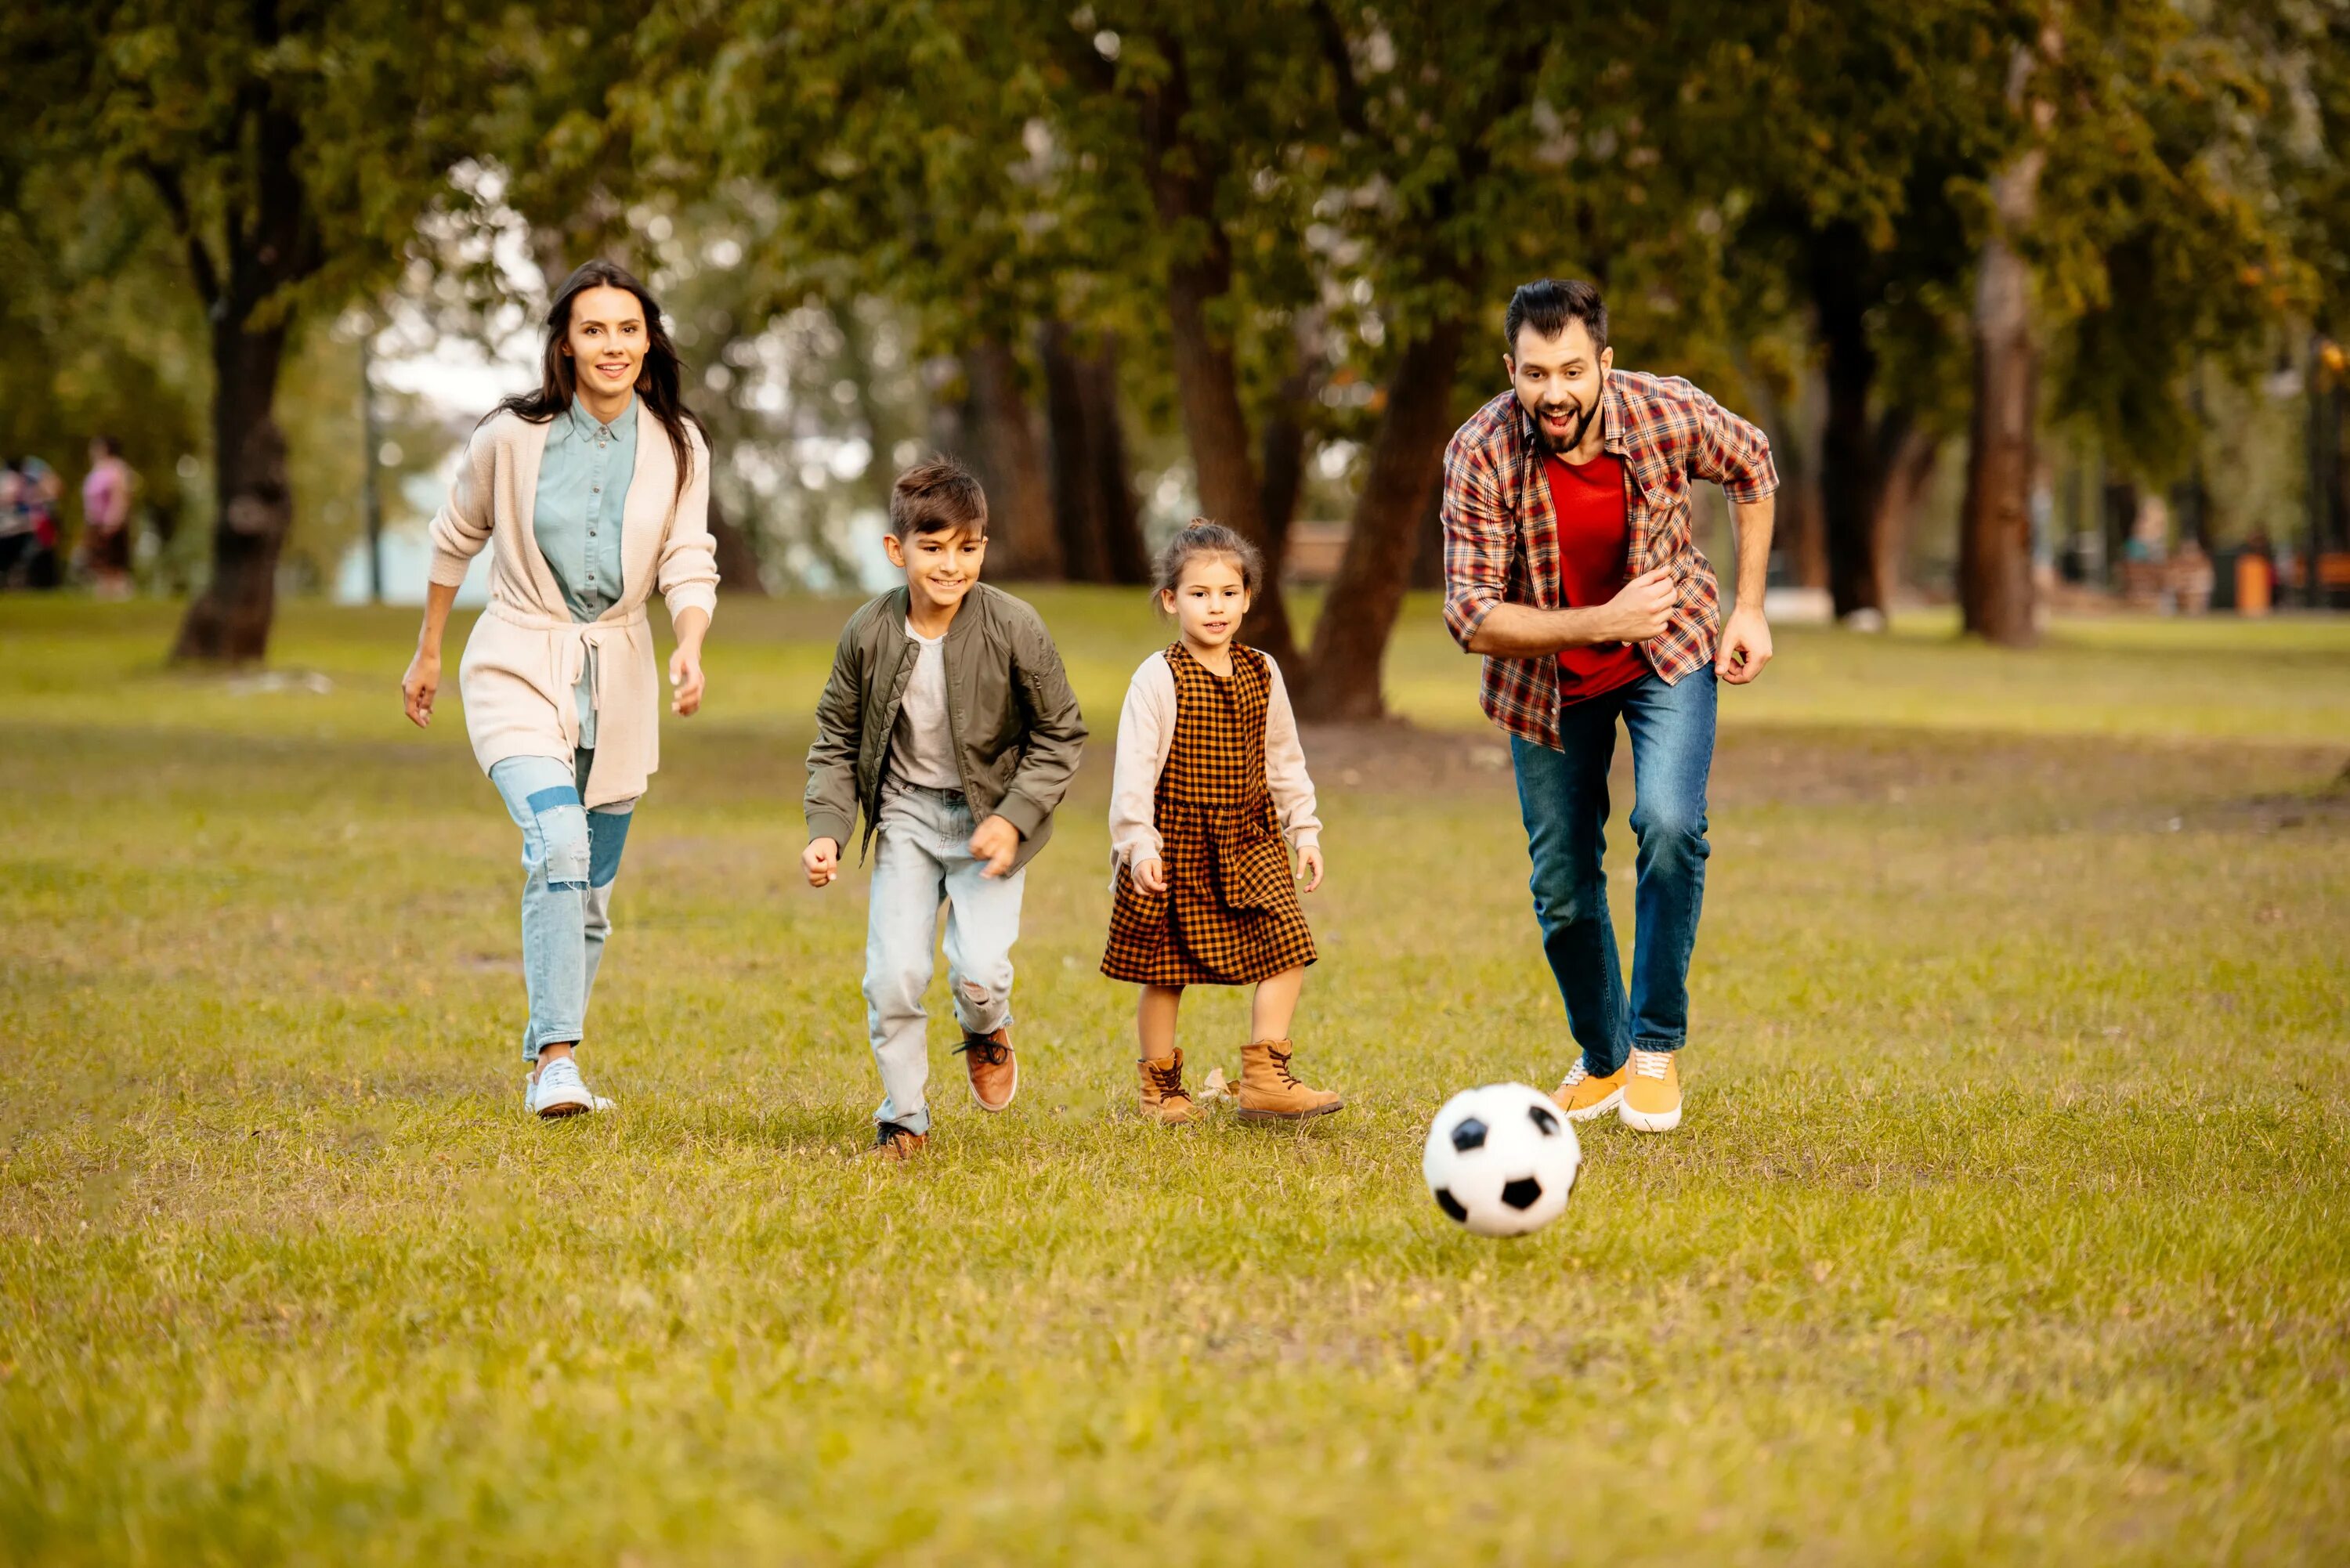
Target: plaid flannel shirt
(1501, 530)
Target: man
(1569, 564)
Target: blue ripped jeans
(1562, 795)
(571, 856)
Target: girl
(1210, 776)
(589, 493)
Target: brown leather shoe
(891, 1141)
(1164, 1099)
(1270, 1092)
(994, 1071)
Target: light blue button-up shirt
(583, 482)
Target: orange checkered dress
(1229, 914)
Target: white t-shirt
(921, 751)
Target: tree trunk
(1916, 453)
(738, 562)
(228, 623)
(1851, 476)
(1021, 536)
(1183, 174)
(1995, 591)
(1093, 493)
(1406, 464)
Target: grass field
(2010, 1220)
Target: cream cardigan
(525, 652)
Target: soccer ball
(1502, 1159)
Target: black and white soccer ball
(1502, 1159)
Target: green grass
(2008, 1222)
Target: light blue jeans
(924, 860)
(570, 855)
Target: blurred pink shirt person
(106, 517)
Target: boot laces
(994, 1053)
(1280, 1060)
(1167, 1079)
(1651, 1064)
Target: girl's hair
(1201, 537)
(657, 379)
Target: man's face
(1559, 379)
(940, 568)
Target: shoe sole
(1590, 1112)
(1249, 1116)
(991, 1110)
(1643, 1121)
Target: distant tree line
(1265, 229)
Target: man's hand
(1745, 647)
(1310, 862)
(996, 842)
(1642, 606)
(821, 861)
(685, 679)
(1150, 875)
(420, 685)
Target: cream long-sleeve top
(1146, 734)
(526, 655)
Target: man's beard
(1560, 448)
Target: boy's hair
(1201, 537)
(939, 495)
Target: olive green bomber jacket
(1014, 722)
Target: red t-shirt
(1593, 533)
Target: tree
(290, 147)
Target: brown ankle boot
(1270, 1093)
(1164, 1099)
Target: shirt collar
(583, 423)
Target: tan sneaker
(1270, 1092)
(1164, 1098)
(1652, 1091)
(1583, 1097)
(994, 1071)
(891, 1141)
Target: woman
(591, 492)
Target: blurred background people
(106, 541)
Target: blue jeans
(570, 855)
(925, 859)
(1562, 795)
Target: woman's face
(606, 340)
(1208, 601)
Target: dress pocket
(1255, 874)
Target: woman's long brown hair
(657, 377)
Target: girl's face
(606, 339)
(1208, 601)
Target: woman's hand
(1310, 862)
(420, 685)
(685, 664)
(685, 677)
(1150, 875)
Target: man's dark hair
(937, 496)
(1548, 304)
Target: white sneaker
(555, 1090)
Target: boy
(948, 721)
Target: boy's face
(940, 568)
(1210, 600)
